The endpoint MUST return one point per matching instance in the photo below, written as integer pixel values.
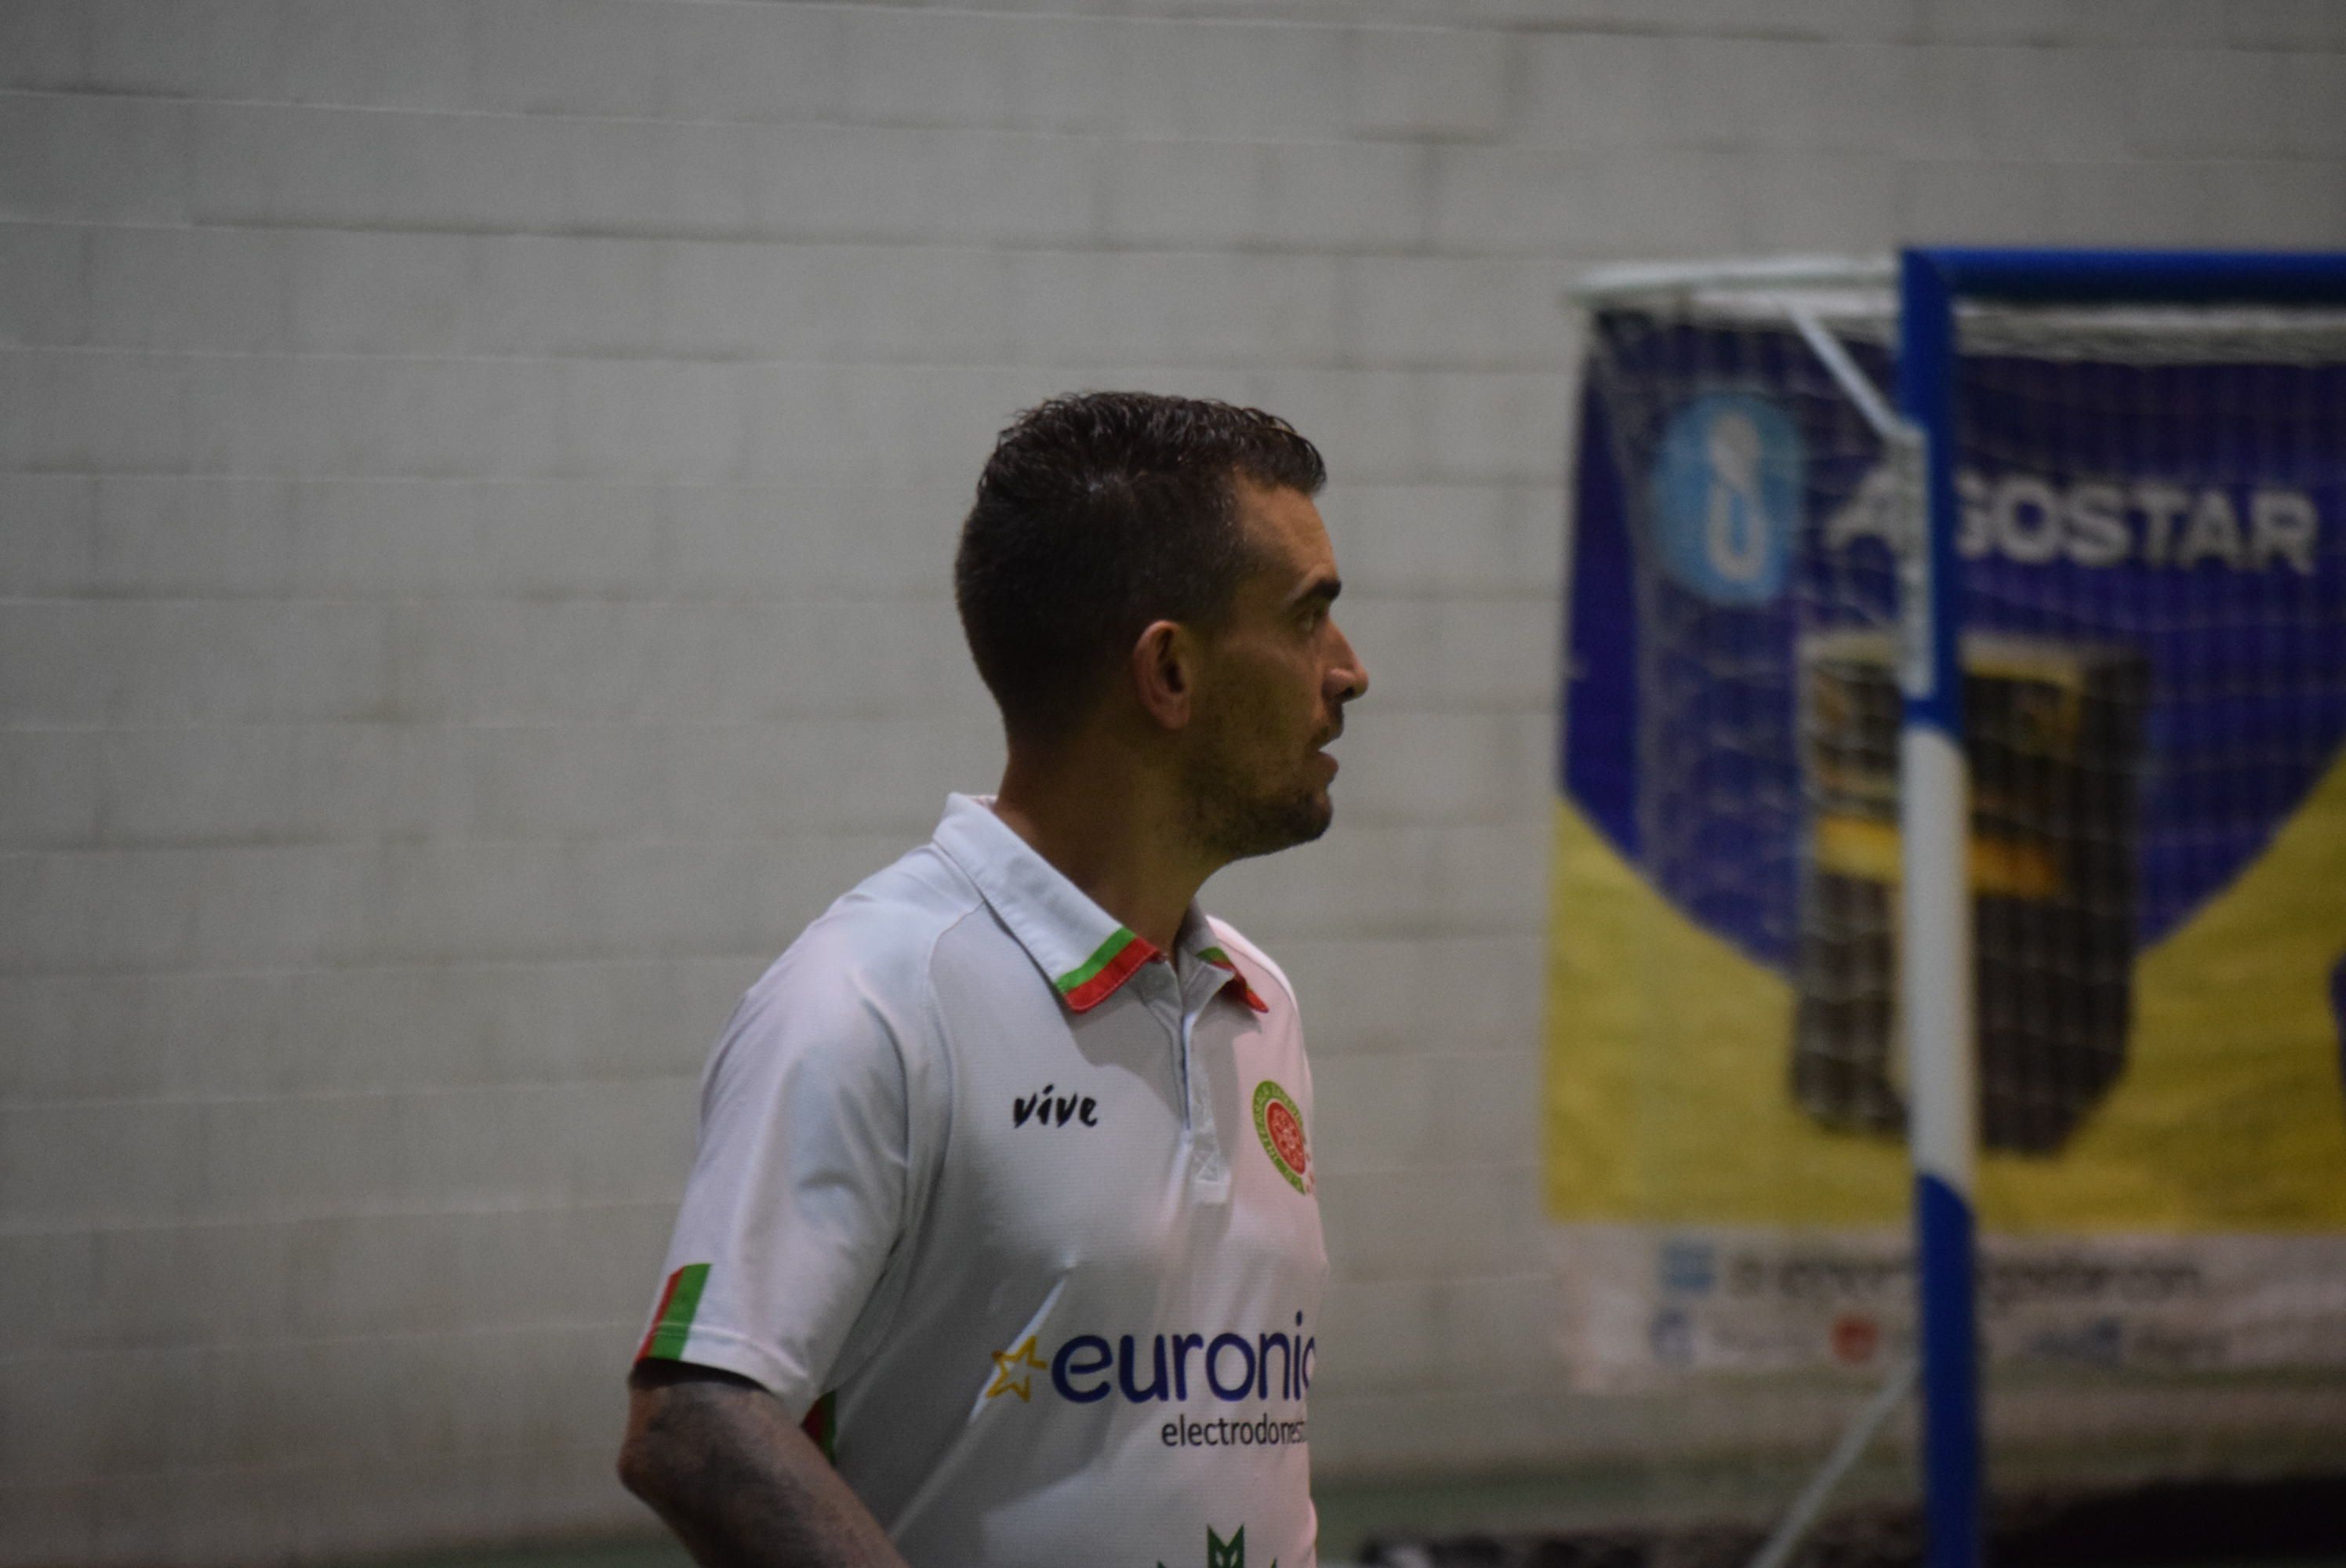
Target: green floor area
(1355, 1516)
(1353, 1513)
(648, 1550)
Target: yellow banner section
(1669, 1094)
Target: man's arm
(721, 1462)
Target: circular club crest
(1280, 1125)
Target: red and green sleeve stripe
(672, 1323)
(1095, 980)
(672, 1326)
(822, 1424)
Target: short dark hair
(1097, 514)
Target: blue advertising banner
(2154, 552)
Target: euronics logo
(1014, 1372)
(1164, 1368)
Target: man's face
(1272, 692)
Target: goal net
(2152, 603)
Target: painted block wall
(478, 481)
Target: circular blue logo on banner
(1726, 497)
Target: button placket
(1205, 1138)
(1160, 992)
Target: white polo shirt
(1022, 1210)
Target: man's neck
(1110, 826)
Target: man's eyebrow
(1324, 588)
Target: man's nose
(1350, 670)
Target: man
(1005, 1186)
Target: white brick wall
(476, 485)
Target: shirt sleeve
(798, 1193)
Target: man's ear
(1165, 673)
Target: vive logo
(1727, 498)
(1046, 1108)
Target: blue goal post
(1936, 977)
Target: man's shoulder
(1253, 963)
(875, 939)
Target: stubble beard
(1232, 817)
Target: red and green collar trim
(1112, 962)
(1221, 960)
(1095, 980)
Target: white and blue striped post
(1935, 970)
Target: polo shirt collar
(1086, 954)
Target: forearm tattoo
(720, 1461)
